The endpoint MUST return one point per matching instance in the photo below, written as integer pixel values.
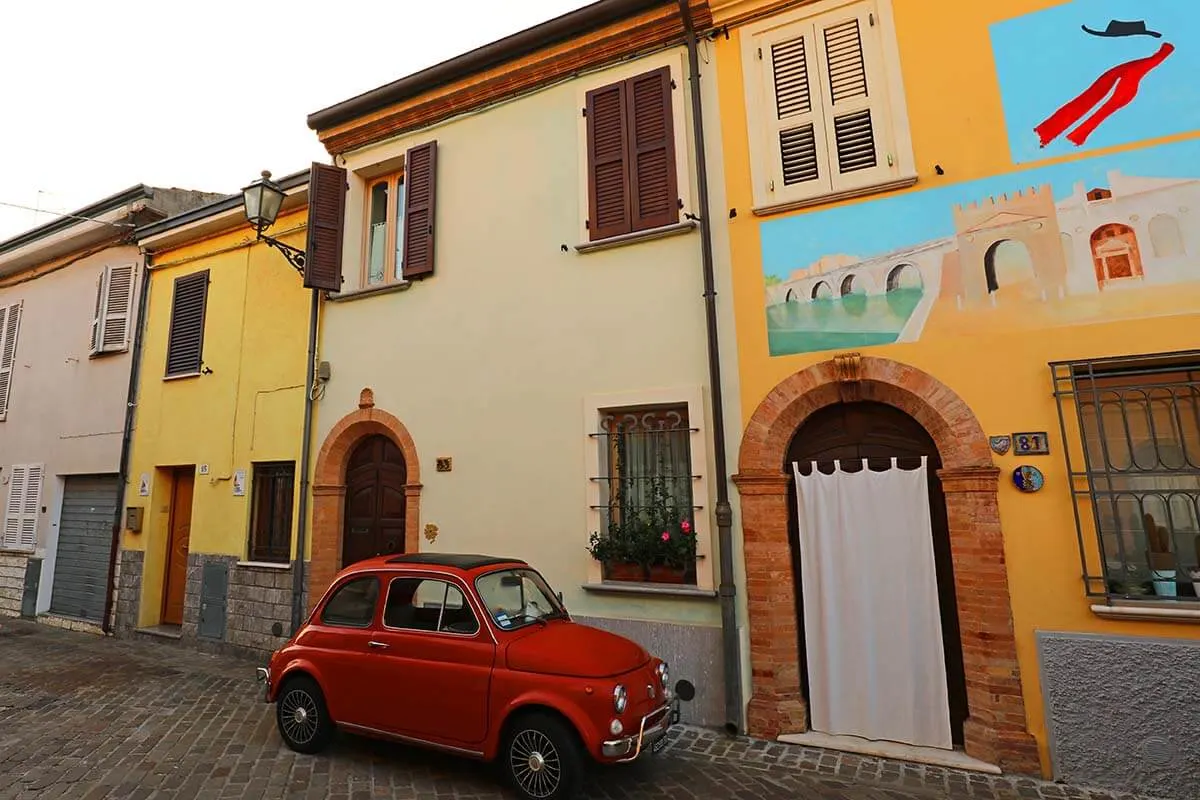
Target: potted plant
(655, 542)
(618, 553)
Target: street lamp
(261, 201)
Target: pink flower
(686, 526)
(666, 536)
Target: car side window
(353, 604)
(417, 604)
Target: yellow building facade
(214, 493)
(967, 231)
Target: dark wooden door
(878, 433)
(375, 502)
(175, 580)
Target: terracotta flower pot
(664, 574)
(624, 571)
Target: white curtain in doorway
(872, 628)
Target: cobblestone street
(84, 717)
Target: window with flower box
(646, 510)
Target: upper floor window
(114, 301)
(1133, 451)
(400, 220)
(631, 170)
(385, 230)
(825, 105)
(10, 326)
(185, 339)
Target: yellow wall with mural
(248, 409)
(991, 348)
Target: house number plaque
(1035, 443)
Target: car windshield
(517, 597)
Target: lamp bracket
(294, 255)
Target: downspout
(126, 439)
(305, 452)
(726, 590)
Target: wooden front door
(375, 502)
(879, 432)
(175, 580)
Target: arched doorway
(1115, 253)
(375, 503)
(996, 730)
(879, 432)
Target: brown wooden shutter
(326, 220)
(609, 206)
(420, 190)
(185, 341)
(652, 144)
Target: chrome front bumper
(263, 675)
(651, 730)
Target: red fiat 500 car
(475, 655)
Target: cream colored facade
(504, 359)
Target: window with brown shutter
(420, 179)
(271, 511)
(632, 183)
(326, 220)
(185, 340)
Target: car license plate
(658, 745)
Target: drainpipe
(126, 437)
(305, 451)
(726, 590)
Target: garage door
(84, 540)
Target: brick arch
(996, 730)
(329, 488)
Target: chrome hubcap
(299, 716)
(535, 763)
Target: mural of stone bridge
(913, 268)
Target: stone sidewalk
(90, 718)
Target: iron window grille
(271, 520)
(1132, 448)
(646, 466)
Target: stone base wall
(128, 592)
(258, 607)
(691, 651)
(12, 583)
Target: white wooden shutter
(10, 324)
(799, 155)
(98, 316)
(118, 301)
(854, 98)
(24, 501)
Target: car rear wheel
(543, 758)
(301, 715)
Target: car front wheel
(302, 716)
(543, 758)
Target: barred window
(1133, 451)
(646, 499)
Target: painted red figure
(1126, 78)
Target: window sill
(280, 565)
(370, 291)
(12, 551)
(637, 236)
(652, 589)
(108, 353)
(1178, 611)
(181, 376)
(902, 182)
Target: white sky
(99, 96)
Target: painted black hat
(1118, 28)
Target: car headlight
(620, 698)
(663, 675)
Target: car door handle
(378, 645)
